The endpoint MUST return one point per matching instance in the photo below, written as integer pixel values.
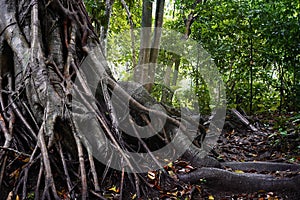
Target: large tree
(46, 101)
(50, 101)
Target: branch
(49, 182)
(188, 23)
(15, 151)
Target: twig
(1, 100)
(31, 161)
(110, 108)
(12, 119)
(3, 165)
(31, 115)
(93, 170)
(5, 131)
(137, 185)
(122, 183)
(49, 182)
(82, 167)
(98, 195)
(24, 121)
(68, 179)
(16, 109)
(37, 193)
(144, 144)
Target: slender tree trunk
(297, 84)
(176, 71)
(167, 93)
(141, 70)
(166, 87)
(159, 13)
(106, 25)
(281, 72)
(251, 69)
(149, 47)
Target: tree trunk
(297, 85)
(167, 93)
(50, 102)
(141, 70)
(159, 13)
(166, 87)
(42, 46)
(144, 73)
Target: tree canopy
(255, 45)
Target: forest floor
(278, 140)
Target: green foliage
(255, 45)
(262, 36)
(30, 196)
(118, 19)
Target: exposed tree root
(223, 180)
(261, 166)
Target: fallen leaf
(181, 163)
(114, 189)
(26, 160)
(15, 173)
(133, 196)
(151, 175)
(239, 171)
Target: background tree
(145, 70)
(254, 44)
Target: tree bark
(144, 73)
(141, 70)
(159, 13)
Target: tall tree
(149, 49)
(48, 107)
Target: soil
(276, 140)
(239, 143)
